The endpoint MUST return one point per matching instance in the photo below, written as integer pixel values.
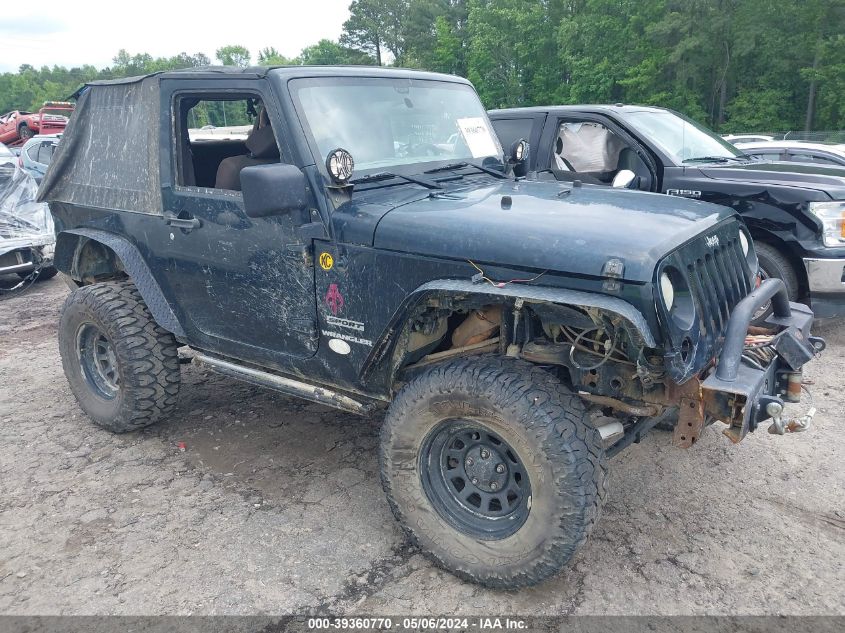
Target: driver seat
(262, 151)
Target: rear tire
(528, 424)
(121, 366)
(25, 132)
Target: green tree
(233, 55)
(271, 57)
(326, 52)
(375, 27)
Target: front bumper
(826, 282)
(739, 393)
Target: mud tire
(145, 357)
(550, 431)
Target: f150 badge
(684, 193)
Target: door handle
(186, 224)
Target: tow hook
(780, 426)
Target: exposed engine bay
(623, 383)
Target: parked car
(797, 152)
(27, 236)
(348, 252)
(18, 126)
(748, 138)
(37, 153)
(794, 212)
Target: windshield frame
(409, 169)
(631, 119)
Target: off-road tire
(549, 429)
(146, 356)
(773, 264)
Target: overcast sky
(76, 32)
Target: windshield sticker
(478, 137)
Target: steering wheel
(424, 149)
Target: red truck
(17, 127)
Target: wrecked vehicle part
(517, 337)
(27, 234)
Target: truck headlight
(832, 216)
(667, 291)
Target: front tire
(121, 366)
(493, 469)
(25, 132)
(773, 264)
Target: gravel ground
(275, 507)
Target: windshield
(387, 122)
(682, 138)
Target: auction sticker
(478, 137)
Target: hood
(830, 180)
(548, 226)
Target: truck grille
(718, 280)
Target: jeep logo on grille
(712, 241)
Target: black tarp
(109, 154)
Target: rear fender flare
(69, 245)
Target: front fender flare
(634, 321)
(67, 252)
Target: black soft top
(287, 72)
(110, 150)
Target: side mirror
(624, 179)
(519, 152)
(273, 189)
(518, 157)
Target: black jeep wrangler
(364, 244)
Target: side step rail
(283, 384)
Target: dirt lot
(275, 507)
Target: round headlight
(743, 241)
(667, 290)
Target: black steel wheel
(492, 467)
(475, 479)
(98, 360)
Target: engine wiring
(577, 339)
(501, 284)
(759, 350)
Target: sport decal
(346, 323)
(334, 299)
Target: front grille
(718, 280)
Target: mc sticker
(326, 261)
